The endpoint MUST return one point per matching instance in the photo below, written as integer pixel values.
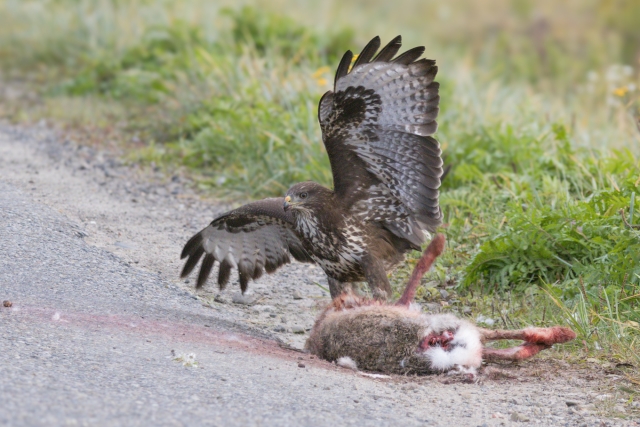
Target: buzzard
(376, 127)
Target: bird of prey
(376, 127)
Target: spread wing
(376, 126)
(255, 237)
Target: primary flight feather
(376, 127)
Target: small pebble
(7, 303)
(297, 295)
(620, 408)
(124, 245)
(297, 329)
(238, 298)
(301, 365)
(515, 416)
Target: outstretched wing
(255, 237)
(376, 126)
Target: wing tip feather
(390, 50)
(368, 51)
(205, 270)
(192, 261)
(192, 245)
(343, 67)
(410, 56)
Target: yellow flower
(320, 71)
(322, 82)
(621, 91)
(353, 61)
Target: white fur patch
(466, 352)
(463, 370)
(347, 362)
(440, 360)
(376, 376)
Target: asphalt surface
(90, 340)
(93, 338)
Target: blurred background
(539, 121)
(171, 64)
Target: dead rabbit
(372, 335)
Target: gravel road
(102, 332)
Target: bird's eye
(303, 195)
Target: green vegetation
(539, 122)
(543, 228)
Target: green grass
(541, 133)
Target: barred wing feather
(376, 126)
(253, 238)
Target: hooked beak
(286, 205)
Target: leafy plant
(274, 34)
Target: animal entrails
(376, 127)
(377, 336)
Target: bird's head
(305, 196)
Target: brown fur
(375, 337)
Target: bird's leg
(337, 287)
(376, 277)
